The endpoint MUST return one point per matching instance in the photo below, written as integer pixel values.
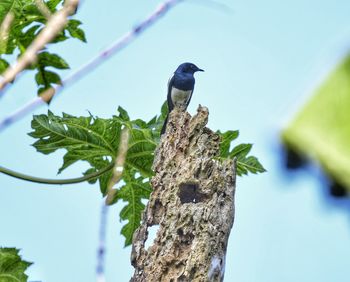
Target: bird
(180, 88)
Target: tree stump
(192, 203)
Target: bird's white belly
(180, 97)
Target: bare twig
(4, 30)
(55, 24)
(116, 46)
(119, 165)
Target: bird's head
(188, 68)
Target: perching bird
(180, 88)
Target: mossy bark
(192, 203)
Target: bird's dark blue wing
(164, 125)
(170, 102)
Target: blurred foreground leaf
(321, 129)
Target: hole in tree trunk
(189, 193)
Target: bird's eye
(192, 67)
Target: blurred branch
(4, 30)
(100, 275)
(54, 25)
(116, 46)
(44, 10)
(116, 177)
(119, 165)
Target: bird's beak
(200, 70)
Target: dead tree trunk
(192, 202)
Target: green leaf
(27, 37)
(249, 164)
(134, 190)
(90, 171)
(84, 138)
(12, 267)
(96, 141)
(141, 151)
(226, 139)
(75, 31)
(92, 139)
(164, 110)
(61, 36)
(31, 12)
(240, 151)
(320, 131)
(123, 114)
(52, 60)
(3, 65)
(52, 4)
(157, 122)
(245, 163)
(47, 77)
(8, 6)
(27, 23)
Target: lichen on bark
(192, 203)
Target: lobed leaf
(249, 164)
(134, 190)
(226, 139)
(245, 163)
(96, 141)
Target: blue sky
(261, 59)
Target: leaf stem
(30, 178)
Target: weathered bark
(192, 202)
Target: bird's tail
(164, 125)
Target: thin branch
(30, 178)
(42, 7)
(55, 24)
(119, 165)
(116, 47)
(4, 30)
